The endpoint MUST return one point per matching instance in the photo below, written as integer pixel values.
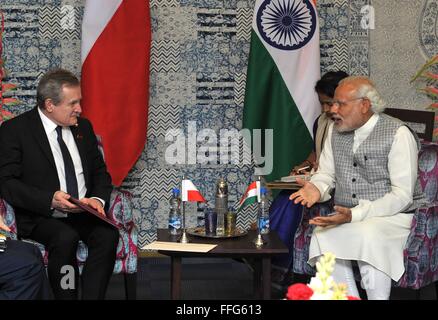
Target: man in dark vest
(371, 161)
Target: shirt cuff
(101, 201)
(324, 191)
(358, 212)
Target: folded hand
(60, 202)
(95, 204)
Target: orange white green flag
(251, 195)
(283, 68)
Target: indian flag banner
(283, 69)
(251, 195)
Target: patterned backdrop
(198, 65)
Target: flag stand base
(259, 241)
(184, 238)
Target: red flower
(299, 291)
(353, 298)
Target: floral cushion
(428, 170)
(303, 235)
(121, 211)
(8, 215)
(421, 250)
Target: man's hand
(307, 195)
(341, 215)
(95, 204)
(3, 226)
(60, 202)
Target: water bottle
(200, 220)
(174, 213)
(263, 223)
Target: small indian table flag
(251, 195)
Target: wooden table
(240, 247)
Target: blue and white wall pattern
(198, 69)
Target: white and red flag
(116, 36)
(190, 193)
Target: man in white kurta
(371, 161)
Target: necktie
(70, 175)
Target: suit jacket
(28, 176)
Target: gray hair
(368, 90)
(51, 84)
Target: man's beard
(339, 127)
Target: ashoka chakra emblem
(286, 24)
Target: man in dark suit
(47, 155)
(22, 272)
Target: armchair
(421, 249)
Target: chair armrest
(424, 225)
(121, 208)
(419, 252)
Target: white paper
(177, 246)
(294, 178)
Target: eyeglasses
(345, 102)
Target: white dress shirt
(402, 166)
(67, 136)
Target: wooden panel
(422, 122)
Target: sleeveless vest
(364, 174)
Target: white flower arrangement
(322, 286)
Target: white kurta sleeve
(402, 166)
(324, 178)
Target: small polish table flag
(190, 193)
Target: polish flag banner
(116, 39)
(190, 193)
